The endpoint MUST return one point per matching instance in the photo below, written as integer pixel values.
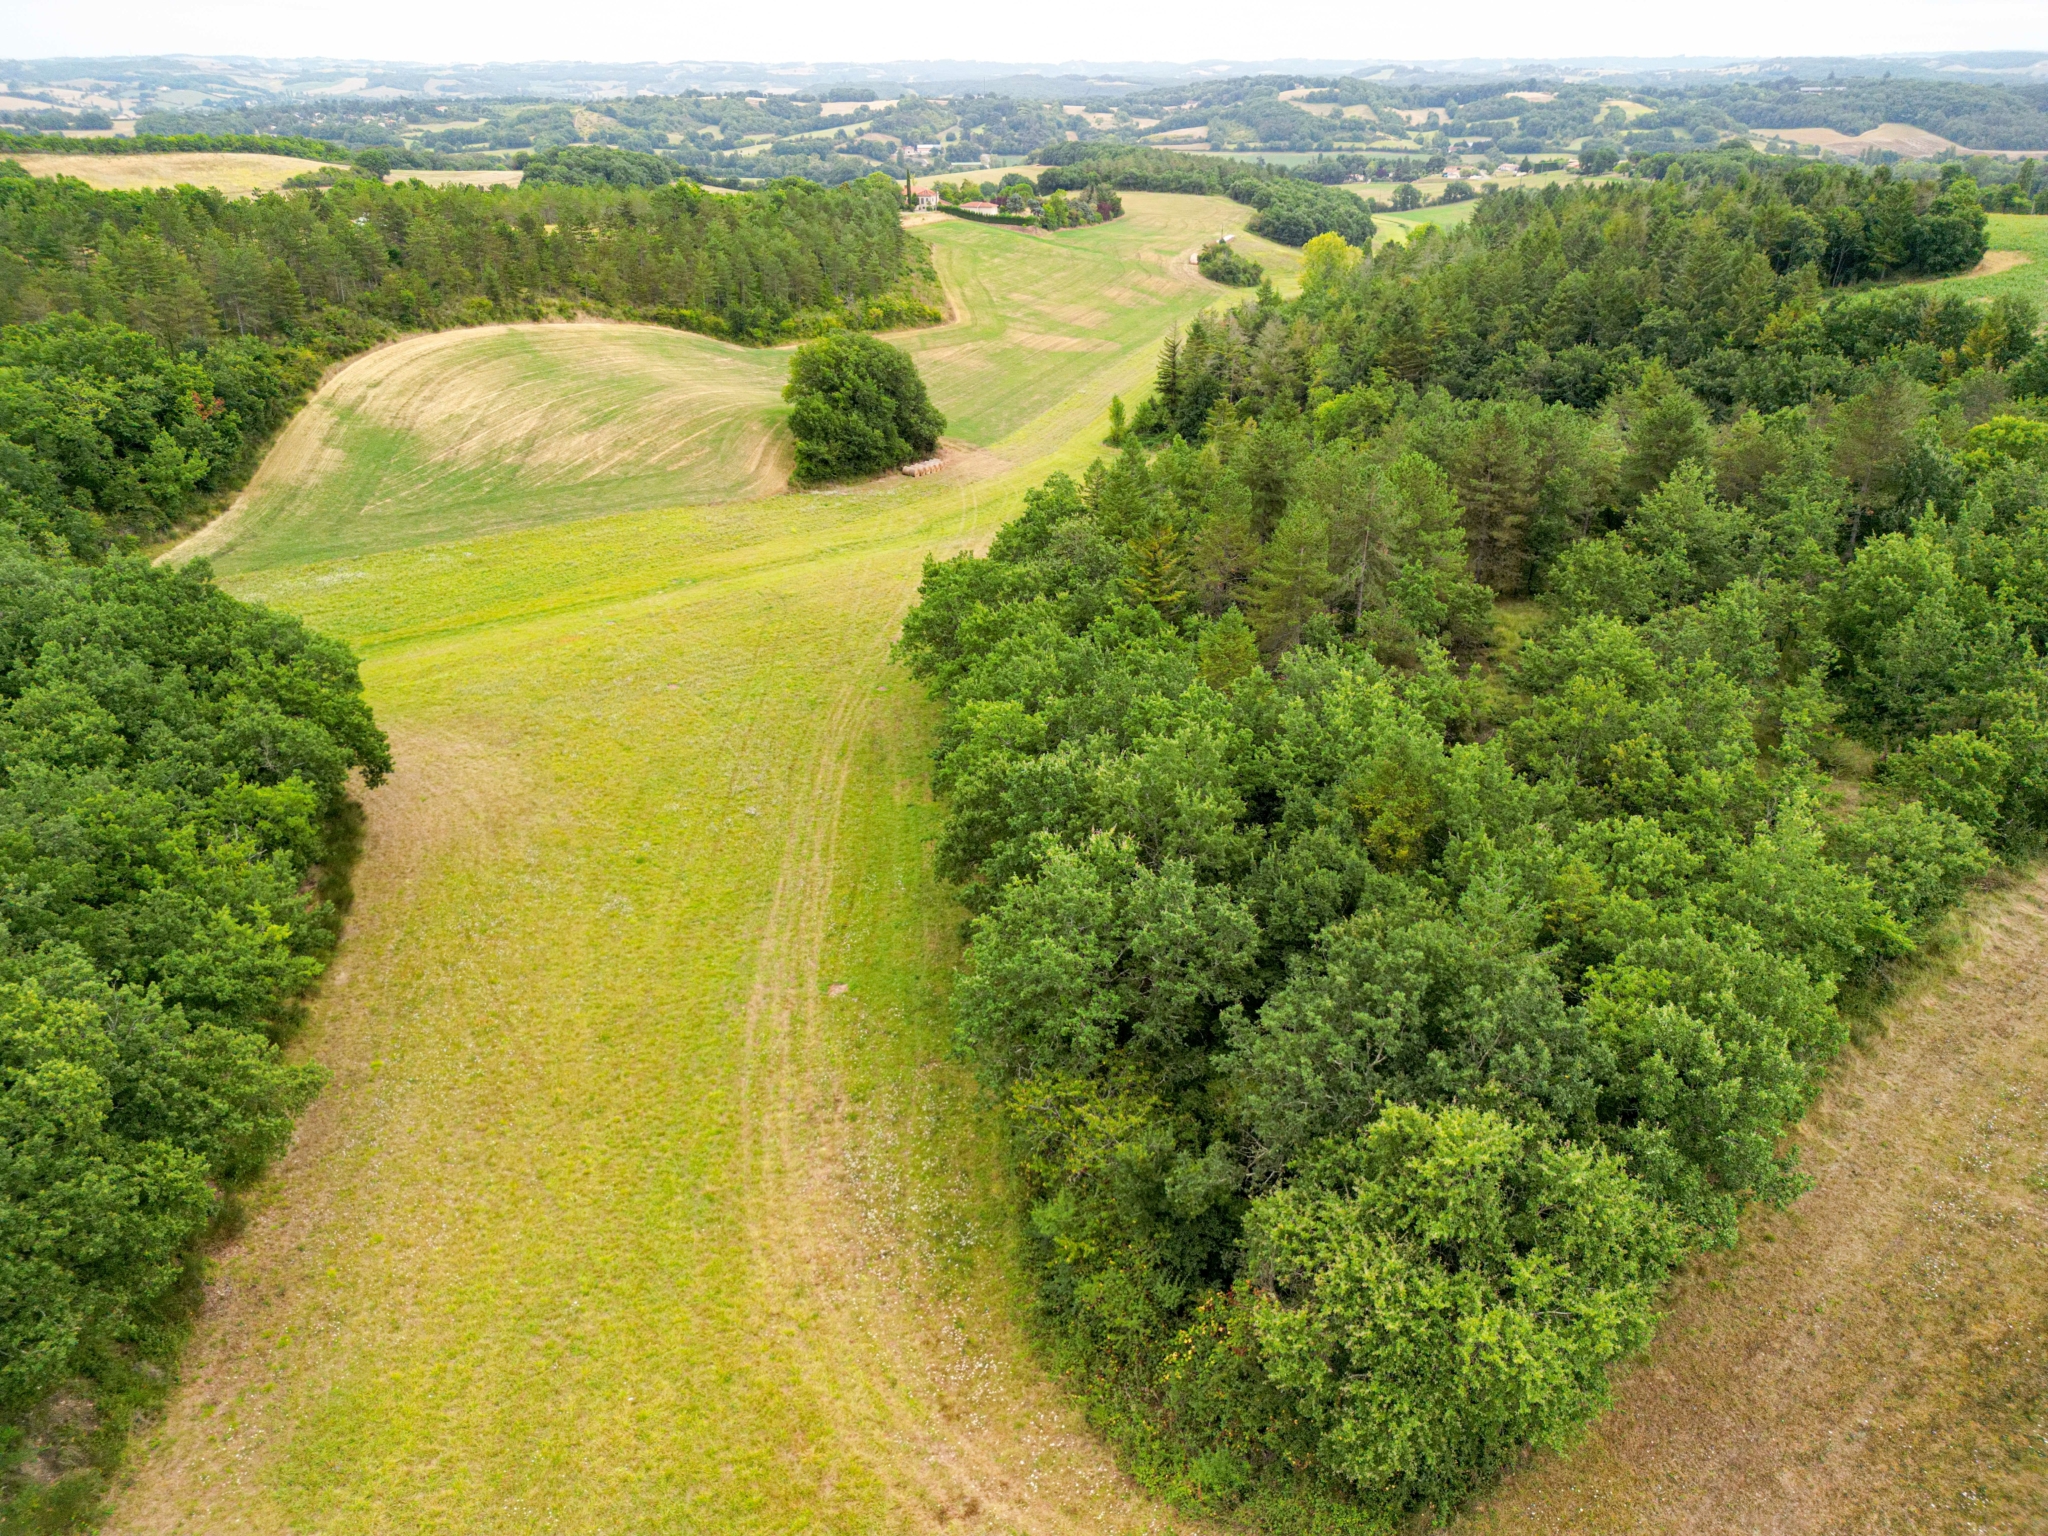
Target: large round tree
(860, 407)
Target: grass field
(2021, 235)
(646, 1196)
(1399, 226)
(474, 431)
(236, 175)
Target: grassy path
(645, 1197)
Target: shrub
(860, 407)
(1220, 264)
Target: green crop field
(1399, 226)
(646, 1196)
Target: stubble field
(236, 175)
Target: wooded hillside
(341, 266)
(1388, 983)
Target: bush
(860, 407)
(1220, 264)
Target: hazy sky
(787, 30)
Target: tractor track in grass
(954, 1434)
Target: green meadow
(2013, 235)
(646, 1195)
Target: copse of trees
(1362, 980)
(335, 269)
(595, 165)
(858, 407)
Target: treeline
(107, 432)
(1290, 210)
(336, 268)
(1387, 989)
(174, 772)
(1562, 295)
(293, 145)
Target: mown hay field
(476, 431)
(647, 1195)
(234, 174)
(2017, 262)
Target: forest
(337, 268)
(174, 836)
(1433, 803)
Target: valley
(646, 1192)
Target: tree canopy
(336, 268)
(1385, 996)
(858, 406)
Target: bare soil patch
(1995, 262)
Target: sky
(434, 31)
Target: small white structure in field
(923, 467)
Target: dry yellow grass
(1875, 1358)
(235, 175)
(1995, 262)
(533, 423)
(1898, 138)
(646, 1196)
(460, 178)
